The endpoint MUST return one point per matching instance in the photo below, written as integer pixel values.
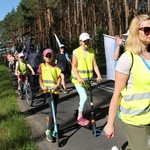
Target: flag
(110, 45)
(57, 40)
(59, 44)
(38, 50)
(28, 47)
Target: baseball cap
(61, 45)
(84, 36)
(126, 34)
(20, 55)
(46, 51)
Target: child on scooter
(49, 78)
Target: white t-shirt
(123, 66)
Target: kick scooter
(55, 131)
(96, 132)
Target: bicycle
(26, 90)
(96, 132)
(55, 133)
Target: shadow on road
(66, 132)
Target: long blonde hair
(133, 43)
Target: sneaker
(49, 135)
(65, 91)
(19, 92)
(114, 148)
(83, 121)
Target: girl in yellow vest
(49, 78)
(132, 87)
(83, 64)
(21, 69)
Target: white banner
(110, 47)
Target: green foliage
(15, 133)
(98, 45)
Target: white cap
(126, 34)
(84, 36)
(20, 55)
(61, 45)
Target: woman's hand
(99, 79)
(118, 40)
(33, 73)
(55, 87)
(81, 81)
(43, 88)
(17, 74)
(109, 131)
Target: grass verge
(15, 132)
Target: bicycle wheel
(29, 95)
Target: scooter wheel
(57, 139)
(94, 130)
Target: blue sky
(6, 6)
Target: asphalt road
(72, 136)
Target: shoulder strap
(131, 62)
(130, 67)
(19, 65)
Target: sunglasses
(86, 42)
(146, 30)
(48, 55)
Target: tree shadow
(64, 133)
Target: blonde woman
(132, 87)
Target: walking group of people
(131, 97)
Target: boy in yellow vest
(49, 78)
(21, 69)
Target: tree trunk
(126, 14)
(111, 32)
(82, 18)
(148, 5)
(69, 23)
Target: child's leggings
(82, 95)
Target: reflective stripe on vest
(135, 101)
(134, 112)
(49, 82)
(85, 71)
(137, 96)
(85, 65)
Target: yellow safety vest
(50, 76)
(135, 102)
(22, 67)
(85, 65)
